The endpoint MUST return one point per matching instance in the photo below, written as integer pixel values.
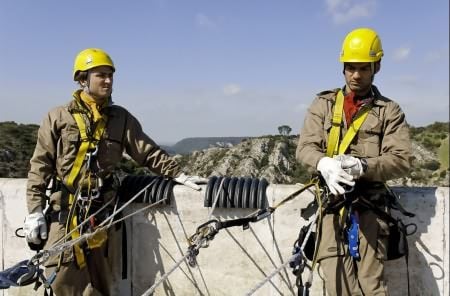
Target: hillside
(17, 142)
(272, 157)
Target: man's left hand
(356, 167)
(190, 181)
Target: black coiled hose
(242, 192)
(160, 189)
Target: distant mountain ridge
(188, 145)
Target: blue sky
(192, 68)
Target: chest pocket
(370, 136)
(67, 149)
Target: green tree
(284, 130)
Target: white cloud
(344, 11)
(231, 89)
(204, 21)
(401, 54)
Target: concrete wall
(237, 260)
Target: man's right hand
(35, 228)
(334, 175)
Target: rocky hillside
(271, 157)
(188, 145)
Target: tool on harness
(306, 245)
(398, 231)
(353, 235)
(21, 274)
(304, 250)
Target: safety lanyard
(334, 147)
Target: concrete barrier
(237, 260)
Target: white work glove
(355, 167)
(35, 228)
(190, 181)
(334, 175)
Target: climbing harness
(30, 271)
(398, 231)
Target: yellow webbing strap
(86, 144)
(334, 147)
(353, 129)
(333, 138)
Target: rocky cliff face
(273, 157)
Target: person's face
(358, 77)
(101, 82)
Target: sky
(204, 68)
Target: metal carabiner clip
(90, 155)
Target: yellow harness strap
(86, 145)
(334, 147)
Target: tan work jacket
(59, 139)
(383, 138)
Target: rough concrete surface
(237, 260)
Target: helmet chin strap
(372, 68)
(86, 86)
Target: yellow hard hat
(361, 46)
(91, 58)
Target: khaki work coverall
(57, 146)
(383, 139)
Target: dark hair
(81, 75)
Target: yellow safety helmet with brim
(362, 45)
(91, 58)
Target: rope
(164, 277)
(273, 273)
(206, 232)
(56, 248)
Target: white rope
(199, 242)
(216, 198)
(273, 273)
(164, 277)
(58, 248)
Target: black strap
(407, 272)
(244, 222)
(394, 203)
(388, 218)
(124, 251)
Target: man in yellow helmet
(356, 138)
(79, 145)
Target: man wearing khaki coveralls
(379, 151)
(61, 136)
